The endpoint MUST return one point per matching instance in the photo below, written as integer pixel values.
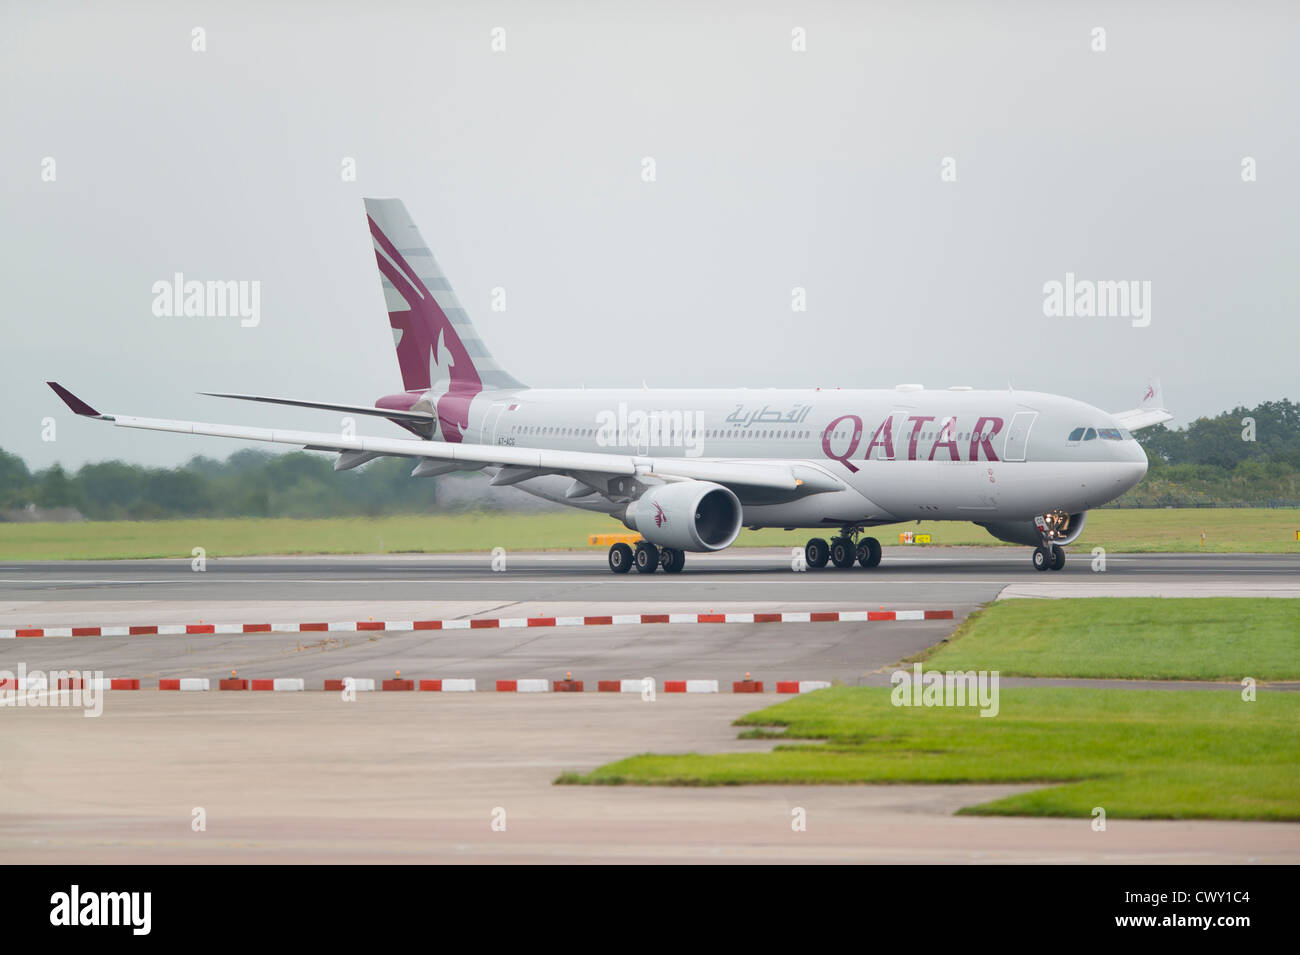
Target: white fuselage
(902, 454)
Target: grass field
(247, 536)
(1167, 754)
(1257, 530)
(1227, 530)
(1156, 638)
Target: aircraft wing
(1151, 411)
(519, 463)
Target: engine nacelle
(1064, 529)
(687, 515)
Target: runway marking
(33, 691)
(424, 581)
(479, 623)
(39, 686)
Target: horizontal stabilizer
(390, 413)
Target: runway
(400, 777)
(846, 652)
(907, 576)
(255, 590)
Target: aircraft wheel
(869, 552)
(620, 558)
(1058, 557)
(647, 557)
(843, 553)
(816, 553)
(1042, 559)
(672, 560)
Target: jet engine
(687, 515)
(1062, 527)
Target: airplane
(686, 469)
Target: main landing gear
(620, 558)
(1045, 559)
(843, 551)
(647, 558)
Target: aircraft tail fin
(1150, 411)
(437, 345)
(1154, 395)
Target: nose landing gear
(1052, 525)
(1049, 559)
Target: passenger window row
(671, 432)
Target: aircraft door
(889, 450)
(490, 419)
(1017, 445)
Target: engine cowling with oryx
(690, 515)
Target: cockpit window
(1106, 434)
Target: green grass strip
(1167, 754)
(1149, 638)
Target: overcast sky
(774, 169)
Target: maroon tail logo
(427, 340)
(660, 517)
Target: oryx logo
(429, 351)
(1151, 393)
(660, 517)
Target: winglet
(72, 401)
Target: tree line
(1246, 456)
(249, 483)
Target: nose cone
(1133, 452)
(1132, 468)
